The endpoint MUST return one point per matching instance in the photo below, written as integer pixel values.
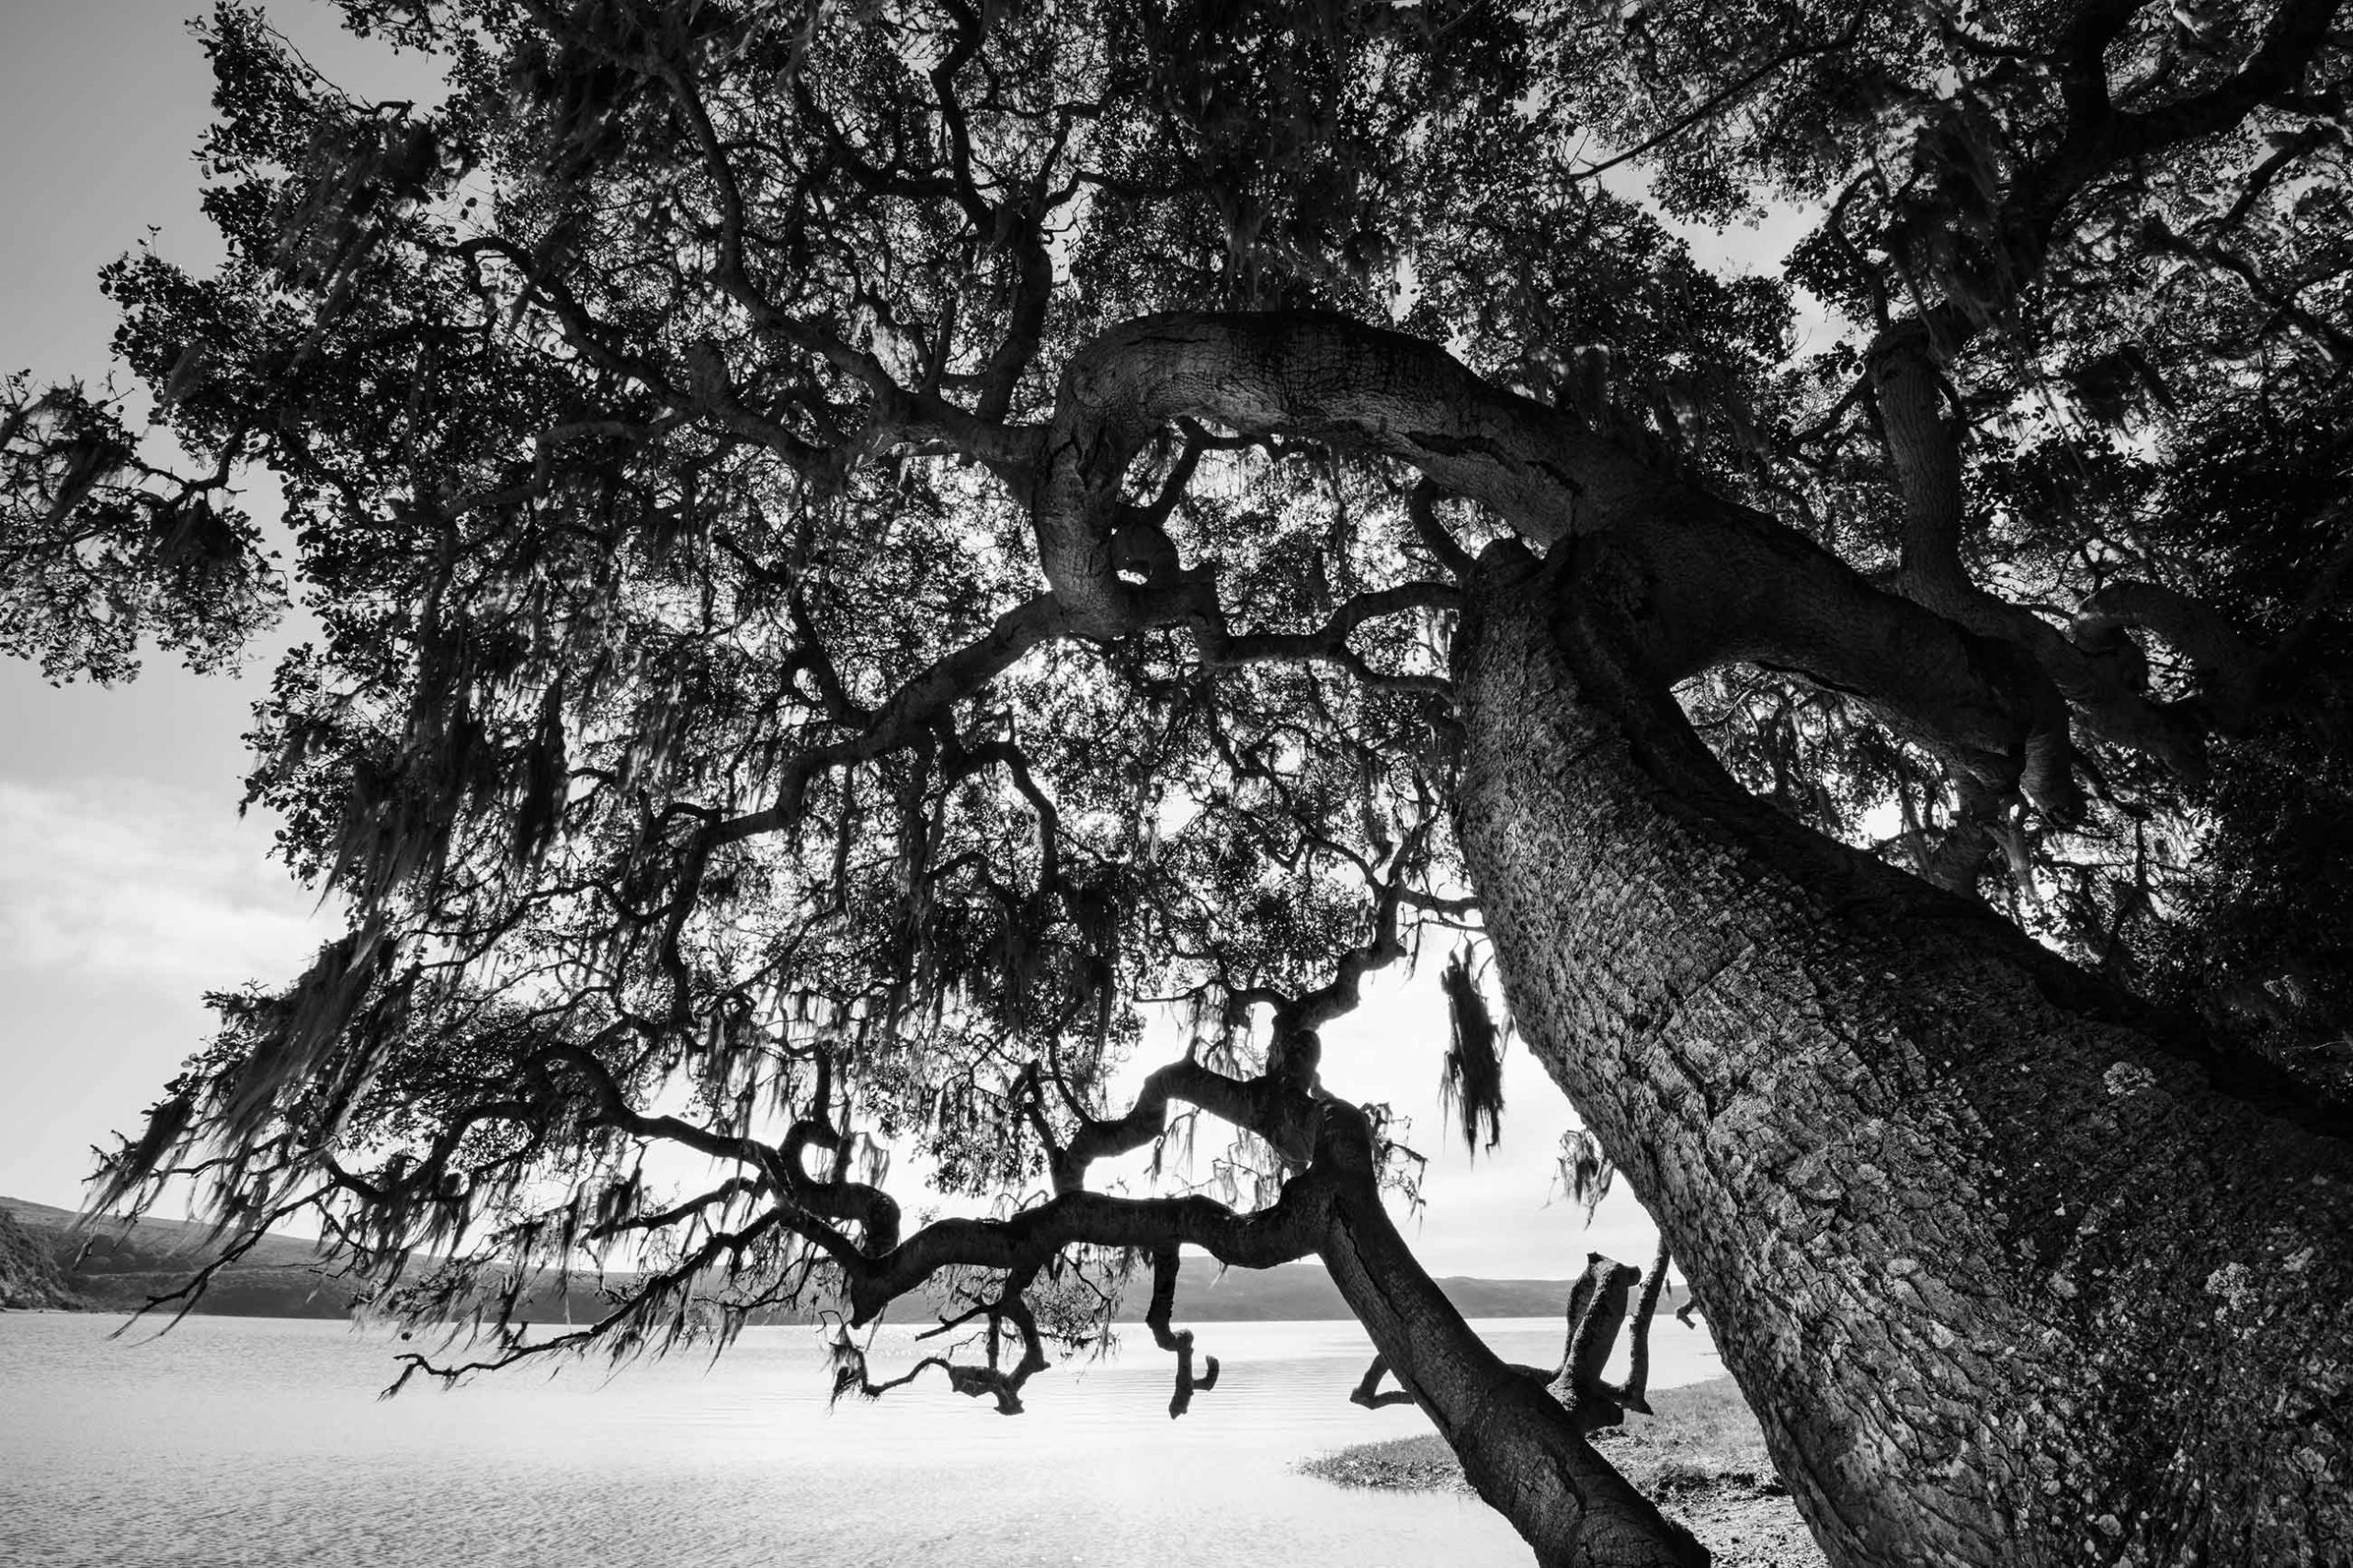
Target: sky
(129, 886)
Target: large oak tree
(863, 551)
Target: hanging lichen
(1471, 1088)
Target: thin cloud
(126, 882)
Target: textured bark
(1597, 1312)
(1636, 1393)
(2014, 1272)
(1925, 451)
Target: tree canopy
(864, 553)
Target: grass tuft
(1700, 1455)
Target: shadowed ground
(1701, 1455)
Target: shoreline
(1701, 1457)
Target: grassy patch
(1700, 1456)
(1700, 1435)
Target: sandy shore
(1700, 1454)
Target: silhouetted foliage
(867, 556)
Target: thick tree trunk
(2014, 1272)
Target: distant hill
(30, 1276)
(149, 1246)
(114, 1264)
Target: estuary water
(261, 1442)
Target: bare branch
(1367, 1389)
(907, 716)
(1635, 1394)
(2229, 667)
(1178, 1343)
(1753, 589)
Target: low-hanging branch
(1597, 1309)
(1328, 1206)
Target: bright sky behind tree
(129, 885)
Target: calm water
(260, 1442)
